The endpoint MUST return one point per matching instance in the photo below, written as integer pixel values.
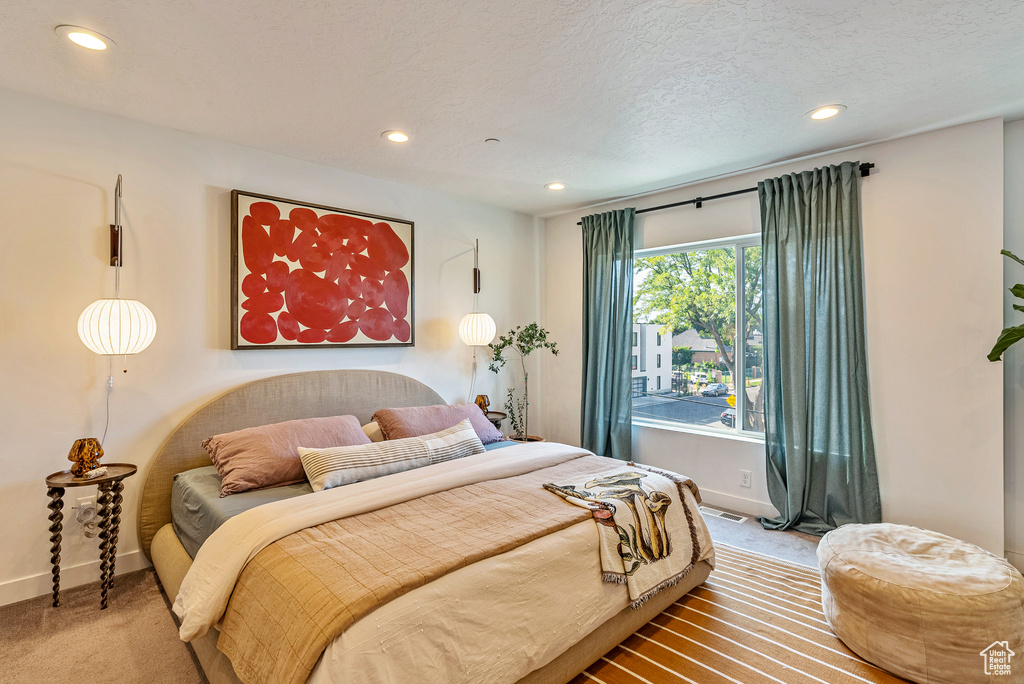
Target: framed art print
(307, 276)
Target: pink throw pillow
(415, 421)
(268, 455)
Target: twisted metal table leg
(104, 505)
(115, 525)
(55, 518)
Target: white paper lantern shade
(116, 326)
(477, 329)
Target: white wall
(933, 228)
(58, 166)
(1013, 359)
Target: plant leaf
(1006, 252)
(1018, 307)
(1018, 290)
(1008, 337)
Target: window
(634, 361)
(659, 343)
(704, 293)
(659, 382)
(634, 339)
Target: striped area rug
(756, 619)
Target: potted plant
(523, 340)
(1015, 334)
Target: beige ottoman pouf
(923, 605)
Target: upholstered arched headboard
(283, 397)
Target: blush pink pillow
(415, 421)
(268, 455)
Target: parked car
(715, 389)
(729, 417)
(699, 378)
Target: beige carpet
(133, 640)
(756, 619)
(789, 545)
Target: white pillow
(336, 466)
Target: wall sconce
(476, 329)
(117, 327)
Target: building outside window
(634, 338)
(715, 375)
(646, 362)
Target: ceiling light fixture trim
(826, 112)
(84, 37)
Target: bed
(587, 624)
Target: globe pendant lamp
(117, 327)
(477, 329)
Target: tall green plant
(523, 340)
(1009, 336)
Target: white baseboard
(1016, 559)
(737, 503)
(76, 575)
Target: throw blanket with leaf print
(646, 521)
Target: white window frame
(739, 346)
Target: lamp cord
(110, 388)
(472, 381)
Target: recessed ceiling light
(491, 140)
(826, 112)
(395, 136)
(84, 37)
(555, 186)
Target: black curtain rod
(865, 170)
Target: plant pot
(527, 439)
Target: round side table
(109, 502)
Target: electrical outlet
(744, 478)
(86, 516)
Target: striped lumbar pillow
(336, 466)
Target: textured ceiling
(612, 98)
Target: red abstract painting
(306, 275)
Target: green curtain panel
(820, 452)
(607, 411)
